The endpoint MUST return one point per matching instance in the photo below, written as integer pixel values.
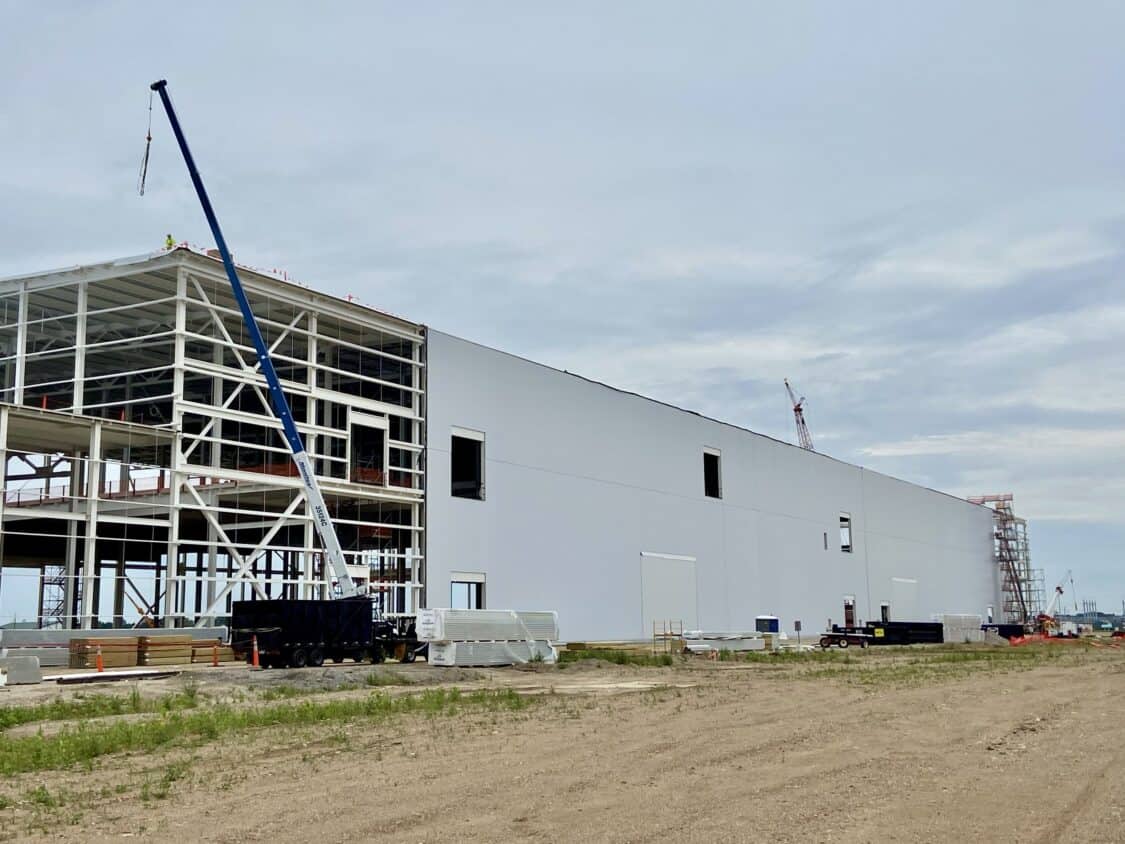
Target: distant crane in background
(1045, 622)
(803, 435)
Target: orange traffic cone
(254, 643)
(99, 663)
(215, 656)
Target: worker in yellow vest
(169, 242)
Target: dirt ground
(876, 749)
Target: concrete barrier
(21, 670)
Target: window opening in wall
(712, 474)
(826, 540)
(849, 611)
(368, 446)
(466, 595)
(466, 470)
(885, 612)
(846, 532)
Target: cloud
(1043, 443)
(981, 259)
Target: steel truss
(140, 453)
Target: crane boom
(1056, 598)
(803, 435)
(318, 508)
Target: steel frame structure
(136, 435)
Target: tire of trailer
(336, 658)
(863, 644)
(377, 655)
(825, 642)
(316, 657)
(410, 654)
(300, 658)
(843, 643)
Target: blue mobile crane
(296, 633)
(319, 510)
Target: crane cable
(148, 146)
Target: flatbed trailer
(299, 633)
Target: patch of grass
(907, 666)
(285, 692)
(86, 742)
(174, 772)
(5, 803)
(40, 796)
(792, 657)
(379, 678)
(618, 657)
(97, 706)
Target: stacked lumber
(203, 651)
(117, 652)
(52, 647)
(164, 650)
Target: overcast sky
(916, 212)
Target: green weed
(40, 796)
(284, 692)
(378, 678)
(618, 657)
(86, 742)
(96, 706)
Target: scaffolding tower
(1021, 586)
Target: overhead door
(668, 592)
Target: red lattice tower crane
(803, 435)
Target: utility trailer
(299, 633)
(845, 638)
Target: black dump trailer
(885, 633)
(296, 633)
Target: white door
(668, 592)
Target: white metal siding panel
(582, 478)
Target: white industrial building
(142, 467)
